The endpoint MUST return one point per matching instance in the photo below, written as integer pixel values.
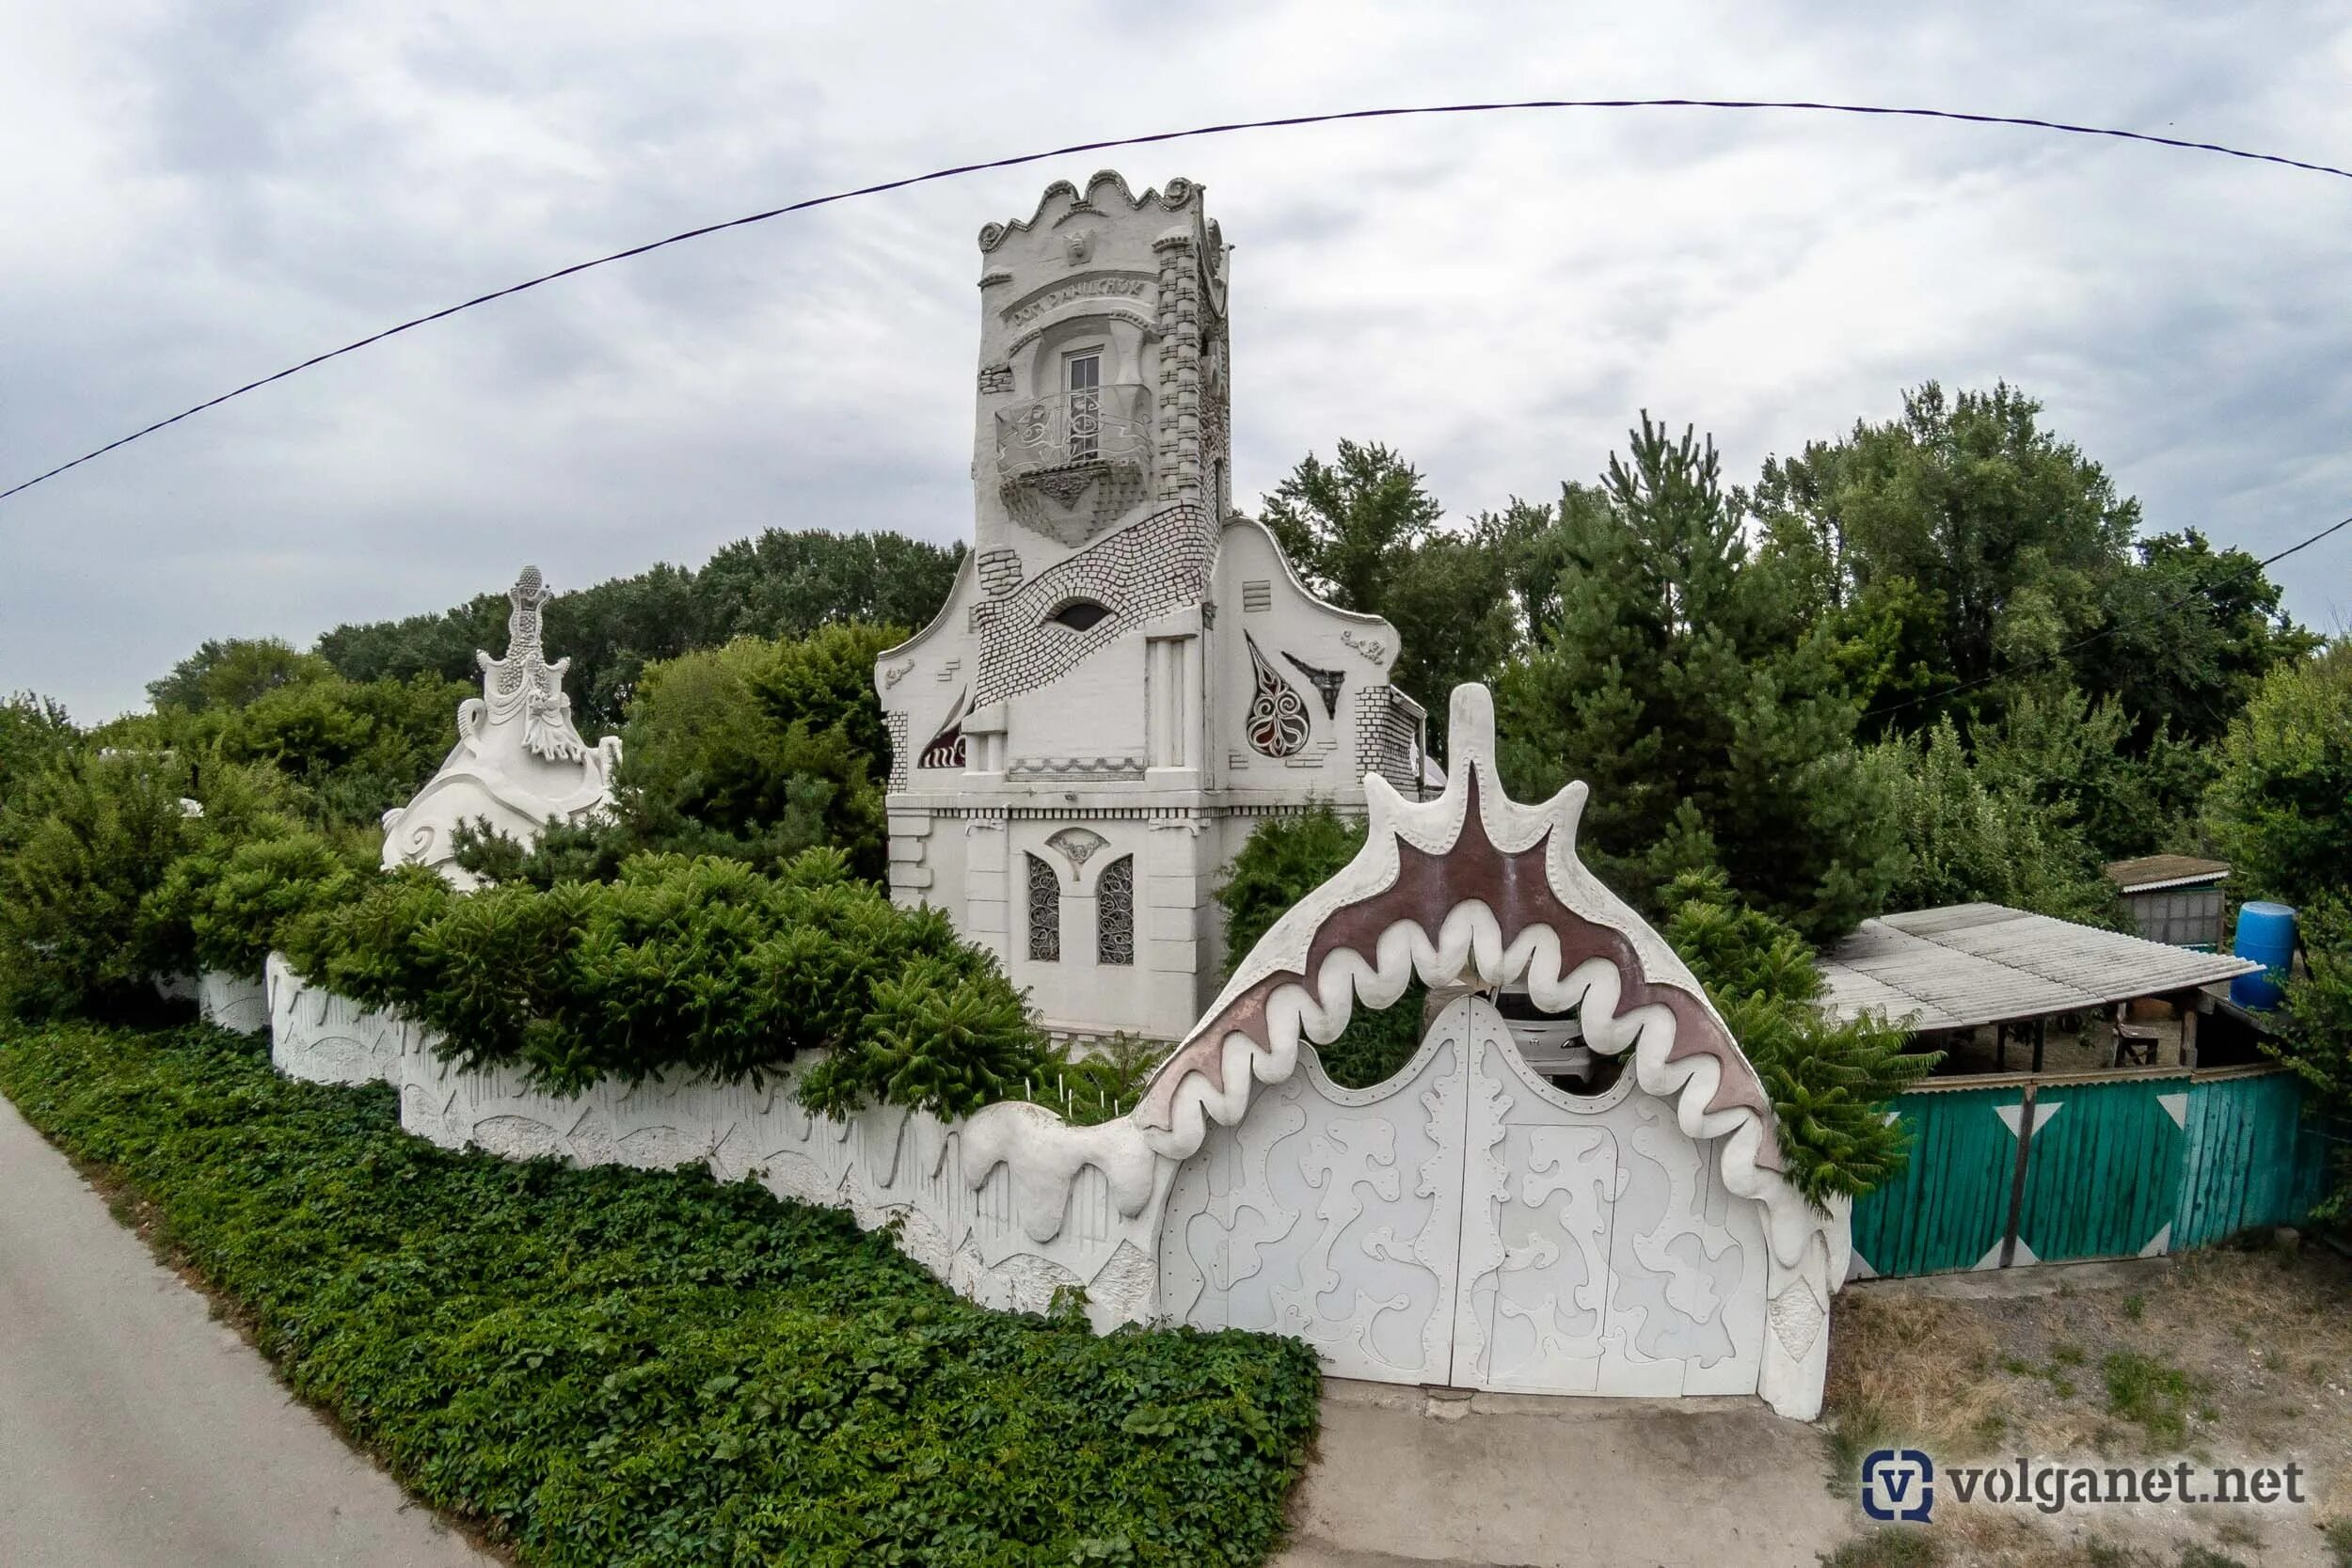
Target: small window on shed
(1081, 614)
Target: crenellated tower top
(1103, 394)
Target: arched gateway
(1466, 1222)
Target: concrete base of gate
(1402, 1477)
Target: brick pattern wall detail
(1384, 739)
(999, 572)
(897, 724)
(1145, 569)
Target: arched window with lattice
(1045, 911)
(1115, 912)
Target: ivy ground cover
(617, 1367)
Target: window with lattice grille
(1115, 912)
(1045, 911)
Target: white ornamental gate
(1467, 1224)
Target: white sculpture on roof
(518, 762)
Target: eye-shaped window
(1080, 614)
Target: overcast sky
(197, 194)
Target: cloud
(216, 192)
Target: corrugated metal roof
(1968, 964)
(2149, 872)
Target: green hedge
(625, 1368)
(702, 966)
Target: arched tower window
(1115, 912)
(1045, 911)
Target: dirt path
(136, 1432)
(1403, 1478)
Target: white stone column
(985, 919)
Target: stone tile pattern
(896, 724)
(1384, 737)
(999, 572)
(1145, 569)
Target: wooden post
(2040, 1029)
(2189, 1033)
(2001, 1046)
(2017, 1178)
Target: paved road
(137, 1433)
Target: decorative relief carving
(1076, 844)
(1069, 294)
(1075, 767)
(1370, 647)
(895, 674)
(1146, 568)
(1325, 682)
(1276, 720)
(1796, 1318)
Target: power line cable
(2109, 629)
(1282, 122)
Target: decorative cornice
(1075, 767)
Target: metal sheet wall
(2113, 1167)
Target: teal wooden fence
(2025, 1170)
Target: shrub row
(695, 965)
(629, 1368)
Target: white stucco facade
(1127, 676)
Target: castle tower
(1127, 676)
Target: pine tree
(1681, 679)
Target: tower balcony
(1071, 463)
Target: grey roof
(2150, 872)
(1967, 964)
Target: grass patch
(617, 1367)
(2153, 1393)
(1893, 1547)
(1911, 1369)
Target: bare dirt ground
(2221, 1357)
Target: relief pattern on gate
(1468, 1224)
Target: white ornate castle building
(1127, 676)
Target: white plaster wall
(1094, 712)
(231, 1002)
(1006, 1207)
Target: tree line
(1934, 660)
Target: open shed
(1966, 966)
(2137, 1152)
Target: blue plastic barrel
(2266, 933)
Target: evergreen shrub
(696, 965)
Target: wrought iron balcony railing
(1109, 424)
